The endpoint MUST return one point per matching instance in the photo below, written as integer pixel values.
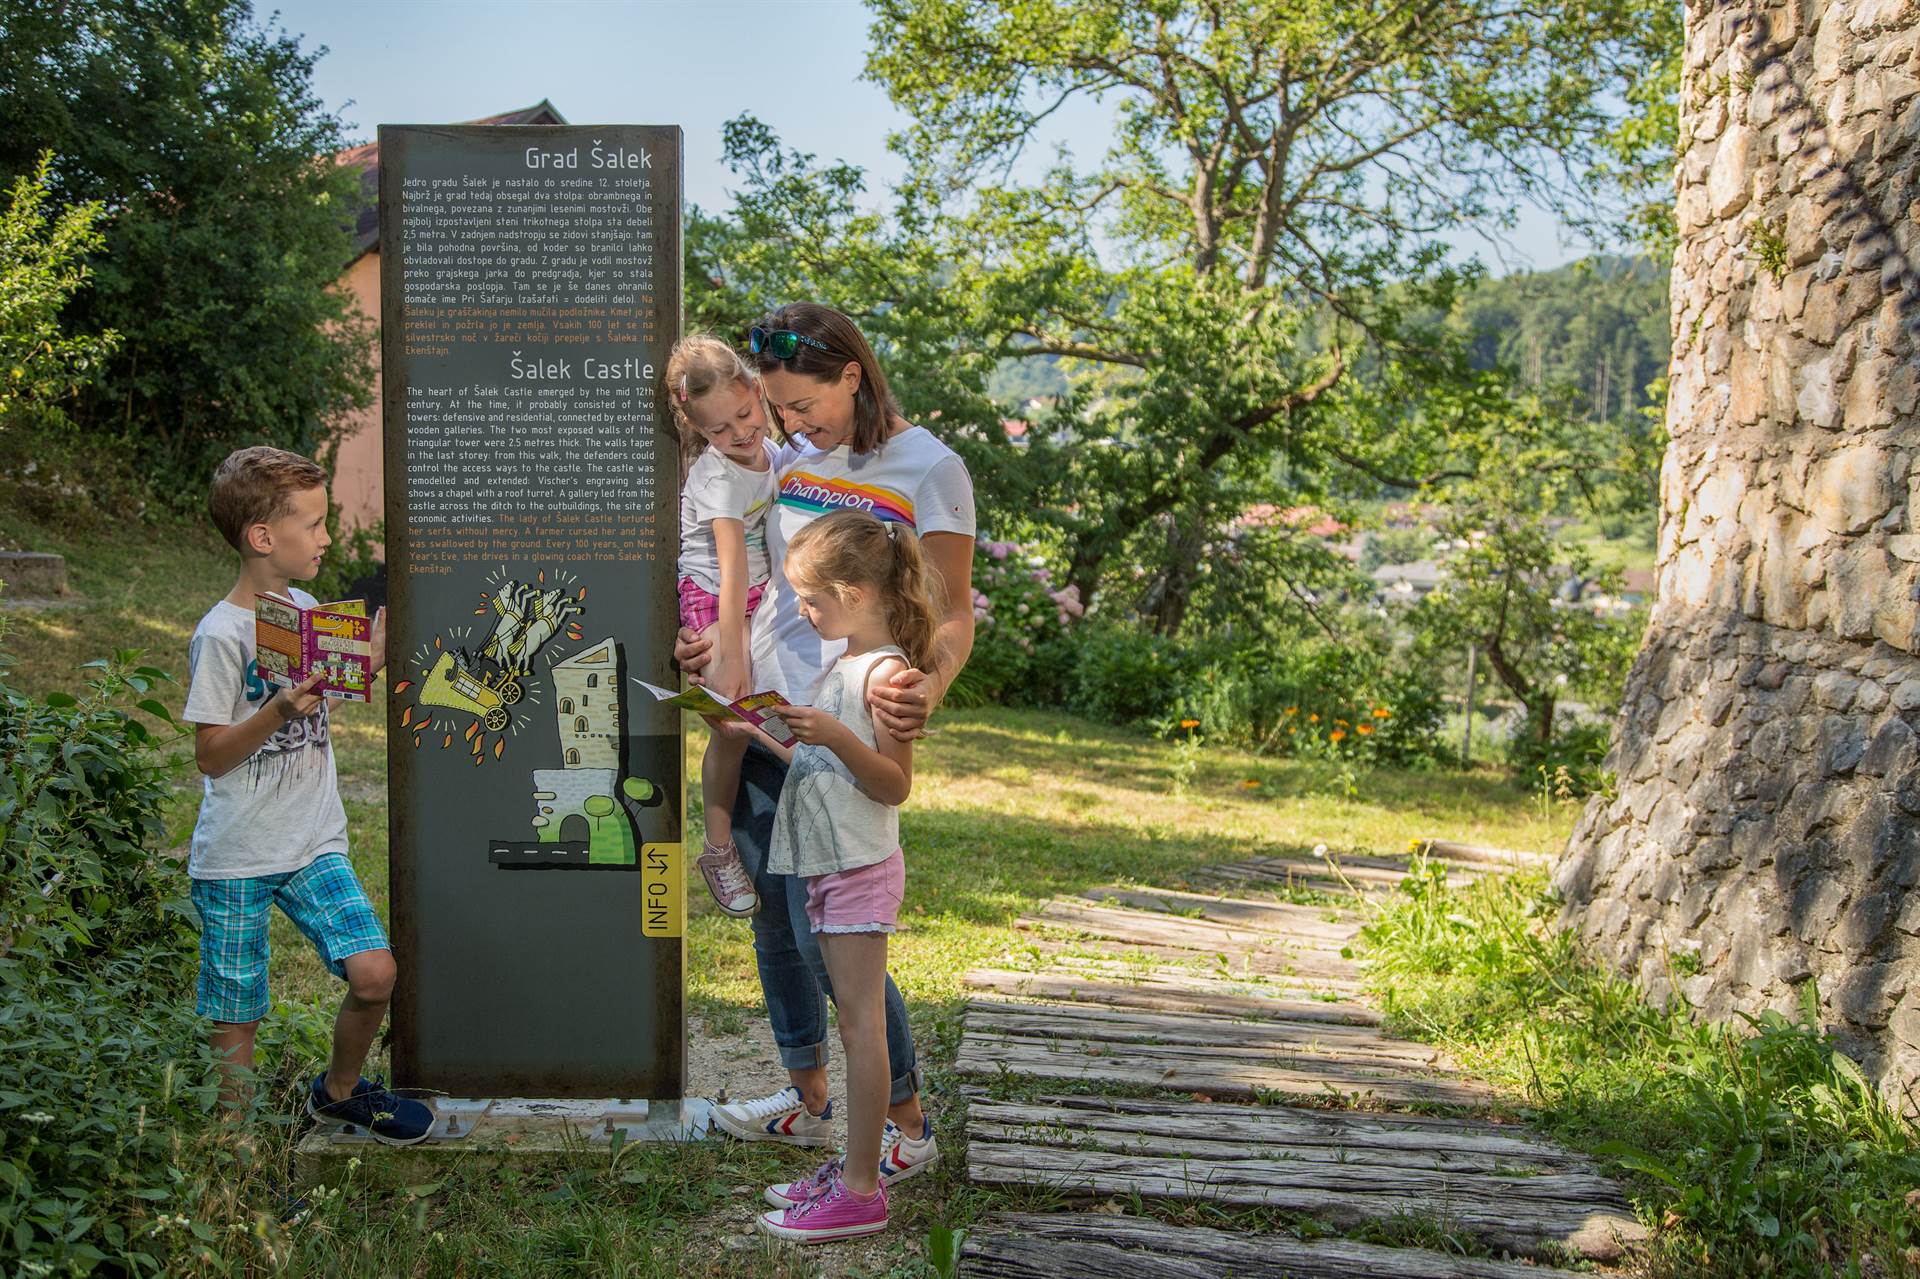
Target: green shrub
(1022, 620)
(1121, 673)
(1572, 759)
(108, 1158)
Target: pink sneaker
(727, 880)
(832, 1214)
(791, 1194)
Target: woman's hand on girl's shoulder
(903, 701)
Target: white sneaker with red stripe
(901, 1157)
(781, 1116)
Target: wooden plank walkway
(1497, 1183)
(1103, 1246)
(1206, 999)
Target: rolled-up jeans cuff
(906, 1087)
(806, 1057)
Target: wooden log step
(1167, 990)
(1134, 1026)
(1295, 926)
(1521, 1202)
(1305, 973)
(1458, 1141)
(1481, 855)
(1368, 873)
(1281, 919)
(1111, 1246)
(1241, 1073)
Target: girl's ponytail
(909, 597)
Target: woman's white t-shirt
(912, 479)
(717, 487)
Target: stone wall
(1765, 827)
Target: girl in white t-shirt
(724, 500)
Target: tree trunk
(1768, 807)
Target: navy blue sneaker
(394, 1120)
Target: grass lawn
(1009, 808)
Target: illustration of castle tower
(581, 795)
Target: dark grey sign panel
(530, 293)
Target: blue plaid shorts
(323, 899)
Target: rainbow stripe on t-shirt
(807, 492)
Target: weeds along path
(1163, 1044)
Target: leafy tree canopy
(198, 132)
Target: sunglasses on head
(781, 343)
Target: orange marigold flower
(1341, 722)
(1313, 719)
(1293, 710)
(1189, 723)
(1250, 784)
(1336, 735)
(1381, 712)
(1364, 729)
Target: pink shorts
(863, 900)
(700, 607)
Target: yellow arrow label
(663, 873)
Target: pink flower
(1000, 550)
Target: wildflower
(1313, 719)
(1341, 722)
(1381, 712)
(37, 1117)
(1320, 851)
(1250, 783)
(1413, 845)
(1189, 723)
(1336, 734)
(1364, 729)
(1293, 710)
(1000, 550)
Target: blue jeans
(793, 976)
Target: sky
(795, 64)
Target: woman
(852, 449)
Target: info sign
(530, 293)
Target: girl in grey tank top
(838, 823)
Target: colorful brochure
(335, 639)
(762, 710)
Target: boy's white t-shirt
(280, 809)
(717, 487)
(911, 478)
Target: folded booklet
(762, 710)
(335, 639)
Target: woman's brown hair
(855, 548)
(874, 405)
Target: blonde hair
(256, 486)
(699, 365)
(854, 548)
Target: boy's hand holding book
(299, 701)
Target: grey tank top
(825, 822)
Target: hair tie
(891, 528)
(683, 388)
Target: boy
(271, 829)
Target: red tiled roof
(366, 158)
